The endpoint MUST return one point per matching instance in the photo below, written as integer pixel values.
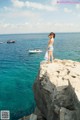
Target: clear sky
(31, 16)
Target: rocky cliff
(57, 91)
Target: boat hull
(34, 52)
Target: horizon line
(34, 33)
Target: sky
(39, 16)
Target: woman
(50, 46)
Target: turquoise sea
(18, 69)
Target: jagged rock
(25, 118)
(66, 114)
(30, 117)
(57, 90)
(33, 117)
(39, 114)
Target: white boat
(35, 51)
(1, 42)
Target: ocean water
(18, 69)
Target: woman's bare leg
(48, 56)
(51, 56)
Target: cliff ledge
(57, 91)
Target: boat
(1, 42)
(35, 51)
(11, 41)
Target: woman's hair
(52, 34)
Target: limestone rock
(33, 117)
(30, 117)
(25, 118)
(57, 90)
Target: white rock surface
(61, 72)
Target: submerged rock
(57, 91)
